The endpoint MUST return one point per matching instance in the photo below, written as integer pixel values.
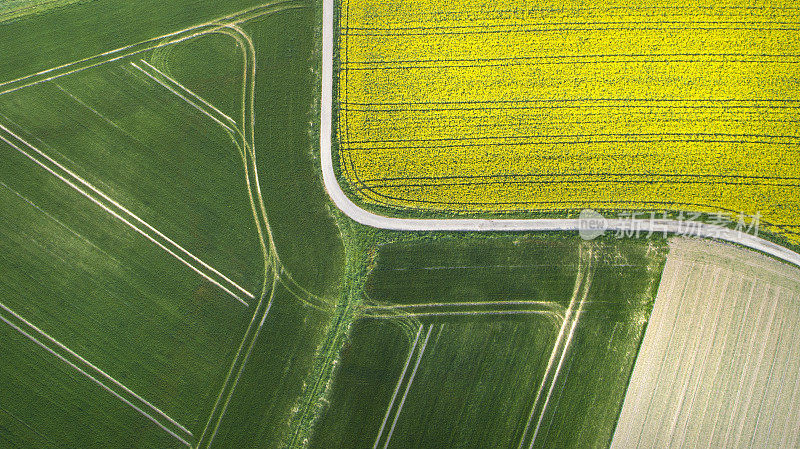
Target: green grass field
(45, 403)
(153, 291)
(478, 270)
(84, 29)
(492, 342)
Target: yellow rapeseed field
(512, 105)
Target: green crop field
(149, 281)
(173, 272)
(490, 342)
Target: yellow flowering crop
(512, 105)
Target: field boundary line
(310, 299)
(570, 318)
(548, 309)
(469, 313)
(364, 217)
(397, 387)
(408, 385)
(182, 97)
(101, 373)
(188, 91)
(271, 260)
(462, 304)
(586, 285)
(670, 327)
(109, 210)
(232, 381)
(139, 47)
